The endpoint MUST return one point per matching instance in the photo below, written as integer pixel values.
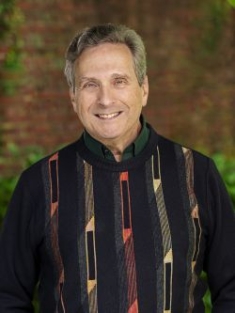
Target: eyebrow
(82, 79)
(115, 75)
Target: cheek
(135, 98)
(83, 111)
(85, 101)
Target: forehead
(105, 55)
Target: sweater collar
(132, 150)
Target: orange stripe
(126, 234)
(129, 250)
(124, 176)
(134, 308)
(54, 157)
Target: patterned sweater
(119, 237)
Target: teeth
(108, 116)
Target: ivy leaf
(232, 3)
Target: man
(123, 220)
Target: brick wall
(191, 83)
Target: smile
(108, 116)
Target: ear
(73, 99)
(145, 90)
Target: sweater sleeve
(220, 253)
(18, 259)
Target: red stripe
(129, 249)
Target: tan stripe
(90, 226)
(194, 209)
(165, 228)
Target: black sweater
(126, 237)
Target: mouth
(108, 116)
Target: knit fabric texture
(119, 237)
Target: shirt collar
(132, 150)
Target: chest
(132, 237)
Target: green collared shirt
(132, 150)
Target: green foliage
(207, 302)
(226, 167)
(11, 18)
(8, 183)
(6, 12)
(207, 297)
(232, 3)
(211, 24)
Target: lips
(108, 116)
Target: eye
(89, 85)
(120, 82)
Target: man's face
(108, 99)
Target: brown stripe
(54, 225)
(194, 210)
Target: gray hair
(106, 33)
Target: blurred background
(191, 68)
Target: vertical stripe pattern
(166, 234)
(134, 234)
(90, 240)
(54, 225)
(128, 244)
(194, 211)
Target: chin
(110, 134)
(109, 137)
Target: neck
(117, 148)
(117, 156)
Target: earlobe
(72, 98)
(145, 87)
(71, 94)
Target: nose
(105, 97)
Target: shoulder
(39, 172)
(176, 153)
(179, 152)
